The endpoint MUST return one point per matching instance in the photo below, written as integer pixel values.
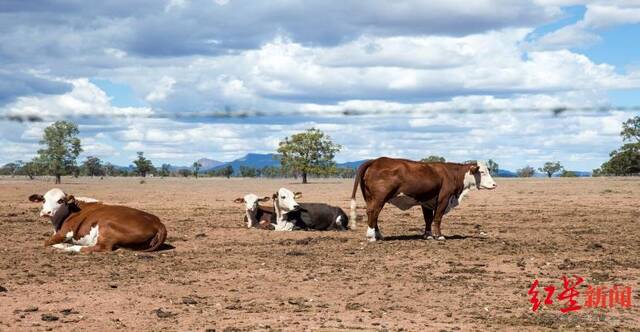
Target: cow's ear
(70, 199)
(239, 200)
(297, 195)
(264, 199)
(275, 196)
(36, 198)
(474, 169)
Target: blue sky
(129, 72)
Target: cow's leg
(56, 238)
(427, 213)
(99, 247)
(440, 210)
(373, 211)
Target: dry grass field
(222, 276)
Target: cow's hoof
(441, 238)
(428, 237)
(373, 235)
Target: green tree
(568, 174)
(7, 169)
(551, 167)
(196, 168)
(493, 167)
(271, 171)
(248, 172)
(625, 160)
(309, 152)
(184, 172)
(143, 166)
(109, 169)
(33, 168)
(227, 171)
(92, 166)
(346, 173)
(433, 159)
(631, 130)
(12, 168)
(526, 172)
(62, 147)
(165, 170)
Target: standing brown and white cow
(87, 225)
(436, 187)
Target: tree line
(307, 153)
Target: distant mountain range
(503, 173)
(260, 160)
(255, 160)
(208, 164)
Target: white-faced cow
(87, 225)
(291, 215)
(436, 187)
(256, 215)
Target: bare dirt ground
(223, 276)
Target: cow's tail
(158, 239)
(358, 181)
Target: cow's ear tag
(297, 195)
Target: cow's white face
(51, 201)
(251, 201)
(482, 177)
(285, 200)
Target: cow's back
(318, 216)
(404, 176)
(124, 218)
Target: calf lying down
(89, 226)
(256, 215)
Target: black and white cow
(291, 215)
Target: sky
(464, 80)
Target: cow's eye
(60, 201)
(283, 197)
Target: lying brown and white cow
(87, 225)
(436, 187)
(256, 215)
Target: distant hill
(579, 174)
(208, 164)
(503, 173)
(255, 160)
(351, 164)
(260, 160)
(582, 174)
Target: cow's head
(251, 201)
(481, 176)
(56, 205)
(285, 200)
